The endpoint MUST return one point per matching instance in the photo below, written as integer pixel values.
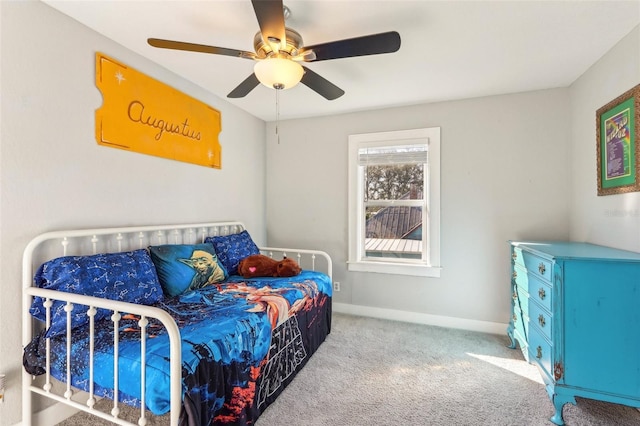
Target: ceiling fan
(279, 51)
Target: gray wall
(55, 176)
(612, 220)
(505, 172)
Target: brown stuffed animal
(259, 265)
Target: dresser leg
(558, 403)
(510, 334)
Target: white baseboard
(52, 415)
(419, 318)
(55, 414)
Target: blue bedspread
(242, 342)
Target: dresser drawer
(520, 298)
(541, 292)
(540, 350)
(535, 265)
(542, 319)
(520, 322)
(520, 276)
(533, 285)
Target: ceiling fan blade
(321, 85)
(373, 44)
(270, 14)
(245, 87)
(192, 47)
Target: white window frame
(429, 267)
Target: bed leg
(26, 399)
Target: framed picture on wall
(618, 140)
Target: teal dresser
(575, 312)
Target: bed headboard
(103, 240)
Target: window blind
(408, 154)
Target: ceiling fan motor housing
(264, 49)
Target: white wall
(55, 176)
(612, 220)
(505, 175)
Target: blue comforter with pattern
(243, 341)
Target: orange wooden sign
(142, 114)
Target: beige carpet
(378, 372)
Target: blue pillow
(231, 249)
(127, 276)
(185, 267)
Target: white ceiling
(450, 49)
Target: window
(394, 202)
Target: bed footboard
(117, 309)
(314, 260)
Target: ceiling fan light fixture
(278, 73)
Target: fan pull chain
(277, 114)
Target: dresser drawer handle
(515, 318)
(515, 295)
(515, 275)
(539, 354)
(541, 293)
(514, 255)
(541, 321)
(541, 268)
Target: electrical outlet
(336, 286)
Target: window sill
(395, 269)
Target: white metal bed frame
(102, 240)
